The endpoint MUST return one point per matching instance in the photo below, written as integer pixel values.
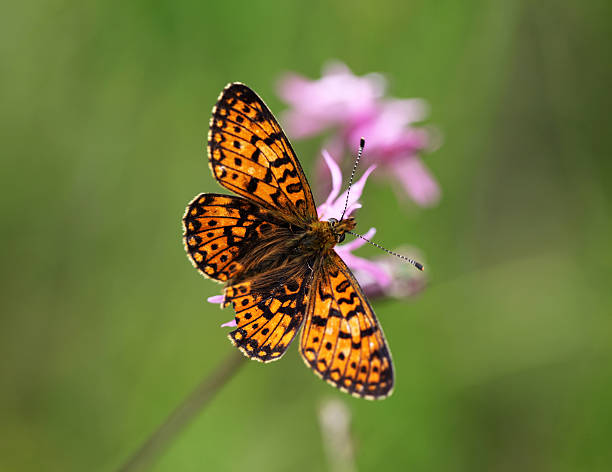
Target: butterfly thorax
(322, 236)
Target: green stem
(168, 431)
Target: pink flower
(337, 98)
(354, 106)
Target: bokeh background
(503, 363)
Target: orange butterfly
(275, 256)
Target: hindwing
(342, 341)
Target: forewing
(249, 154)
(266, 324)
(342, 340)
(216, 228)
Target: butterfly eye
(340, 237)
(333, 221)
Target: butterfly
(275, 256)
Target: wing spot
(212, 223)
(248, 315)
(237, 161)
(214, 247)
(341, 356)
(328, 346)
(363, 369)
(237, 144)
(265, 331)
(223, 258)
(255, 326)
(252, 185)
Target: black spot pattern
(241, 128)
(217, 228)
(264, 316)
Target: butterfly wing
(250, 155)
(342, 341)
(266, 324)
(217, 230)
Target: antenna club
(348, 191)
(412, 262)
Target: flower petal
(335, 208)
(417, 181)
(336, 98)
(336, 176)
(216, 299)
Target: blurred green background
(503, 363)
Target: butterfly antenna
(361, 146)
(416, 264)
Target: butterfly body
(277, 258)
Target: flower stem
(176, 422)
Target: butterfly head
(339, 228)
